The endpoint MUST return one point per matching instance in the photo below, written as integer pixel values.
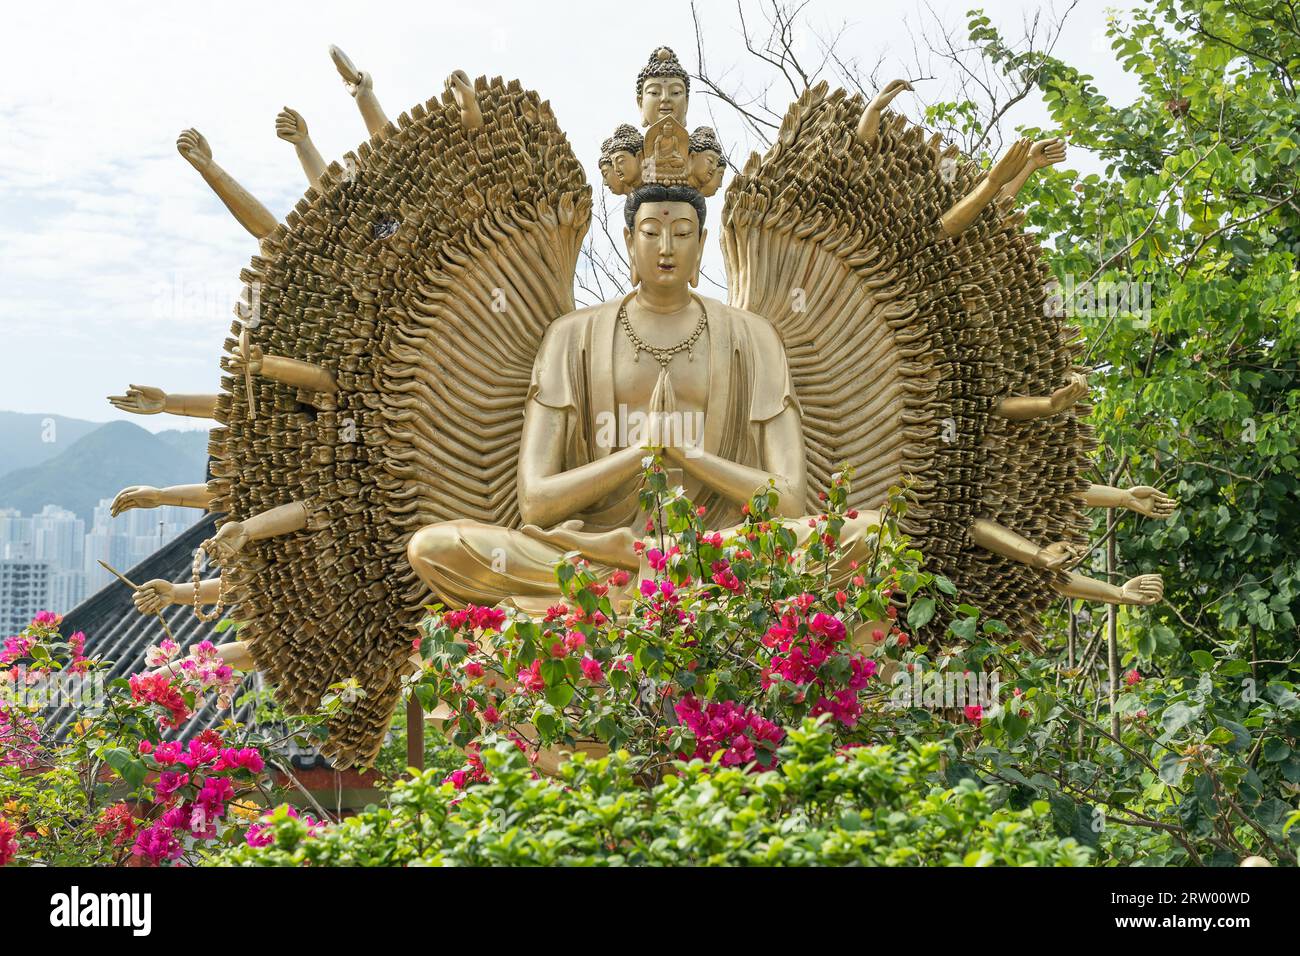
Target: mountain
(99, 465)
(28, 439)
(193, 443)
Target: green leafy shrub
(870, 806)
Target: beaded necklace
(665, 355)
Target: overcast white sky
(118, 265)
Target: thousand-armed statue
(413, 410)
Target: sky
(118, 265)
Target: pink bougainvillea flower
(486, 618)
(828, 626)
(242, 758)
(156, 844)
(169, 781)
(591, 669)
(8, 841)
(531, 678)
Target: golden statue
(418, 412)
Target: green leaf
(920, 613)
(1172, 768)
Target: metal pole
(414, 733)
(1112, 628)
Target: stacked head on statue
(666, 155)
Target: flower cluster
(202, 671)
(157, 689)
(263, 833)
(811, 655)
(194, 785)
(117, 822)
(744, 737)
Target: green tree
(1200, 392)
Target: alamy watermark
(626, 428)
(1073, 299)
(48, 690)
(942, 690)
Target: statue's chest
(634, 380)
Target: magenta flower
(591, 669)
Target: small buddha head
(665, 235)
(620, 160)
(663, 88)
(612, 181)
(707, 162)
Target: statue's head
(620, 160)
(665, 235)
(662, 88)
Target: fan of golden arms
(362, 475)
(666, 155)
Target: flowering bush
(722, 642)
(758, 710)
(821, 805)
(112, 790)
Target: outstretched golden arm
(1021, 408)
(152, 596)
(147, 496)
(362, 87)
(148, 400)
(287, 371)
(967, 209)
(235, 535)
(868, 132)
(1045, 152)
(292, 128)
(252, 215)
(1142, 499)
(1144, 589)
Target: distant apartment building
(24, 590)
(128, 539)
(51, 562)
(59, 537)
(15, 534)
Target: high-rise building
(53, 563)
(24, 590)
(15, 534)
(59, 536)
(129, 538)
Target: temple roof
(115, 631)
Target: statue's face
(660, 97)
(702, 166)
(613, 181)
(715, 181)
(665, 243)
(627, 167)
